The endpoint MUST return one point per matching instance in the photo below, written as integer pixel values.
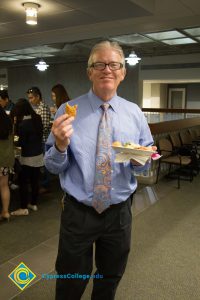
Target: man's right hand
(62, 131)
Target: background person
(35, 98)
(6, 102)
(29, 130)
(6, 161)
(97, 206)
(59, 96)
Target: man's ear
(123, 74)
(89, 73)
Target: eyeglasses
(113, 66)
(30, 91)
(34, 90)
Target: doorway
(176, 98)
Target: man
(35, 99)
(97, 205)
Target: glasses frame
(105, 65)
(30, 91)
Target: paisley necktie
(102, 180)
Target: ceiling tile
(37, 49)
(8, 58)
(193, 31)
(23, 57)
(37, 55)
(6, 54)
(179, 41)
(132, 39)
(165, 35)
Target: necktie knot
(105, 106)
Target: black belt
(84, 206)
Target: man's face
(33, 99)
(3, 102)
(106, 81)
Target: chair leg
(191, 174)
(158, 171)
(179, 181)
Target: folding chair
(172, 159)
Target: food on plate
(71, 110)
(131, 145)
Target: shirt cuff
(58, 154)
(59, 149)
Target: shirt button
(112, 189)
(112, 171)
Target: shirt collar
(96, 102)
(40, 104)
(27, 117)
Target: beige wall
(163, 95)
(154, 95)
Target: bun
(117, 144)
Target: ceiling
(67, 29)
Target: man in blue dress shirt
(71, 153)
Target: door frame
(183, 90)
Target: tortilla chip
(71, 110)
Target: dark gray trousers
(110, 232)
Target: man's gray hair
(106, 45)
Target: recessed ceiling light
(42, 66)
(31, 12)
(132, 59)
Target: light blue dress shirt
(76, 166)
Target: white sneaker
(33, 207)
(14, 186)
(20, 212)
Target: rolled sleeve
(55, 161)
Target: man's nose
(107, 69)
